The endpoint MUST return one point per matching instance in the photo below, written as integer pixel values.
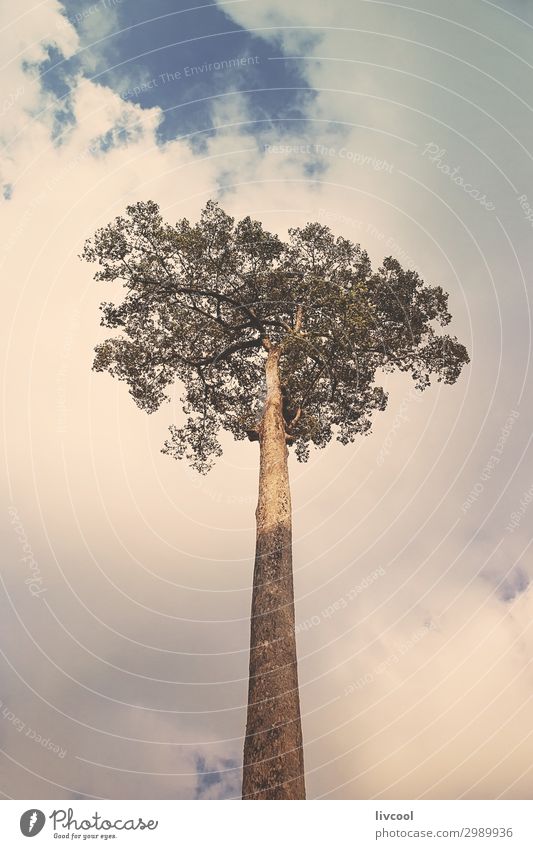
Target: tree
(281, 343)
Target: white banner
(310, 824)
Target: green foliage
(204, 302)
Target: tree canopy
(205, 302)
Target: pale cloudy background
(125, 674)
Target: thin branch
(295, 419)
(231, 349)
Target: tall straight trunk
(273, 753)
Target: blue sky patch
(226, 780)
(57, 76)
(183, 58)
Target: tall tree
(281, 343)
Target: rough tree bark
(273, 753)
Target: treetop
(204, 304)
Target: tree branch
(231, 349)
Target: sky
(126, 577)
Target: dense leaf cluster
(205, 302)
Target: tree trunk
(273, 753)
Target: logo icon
(32, 822)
